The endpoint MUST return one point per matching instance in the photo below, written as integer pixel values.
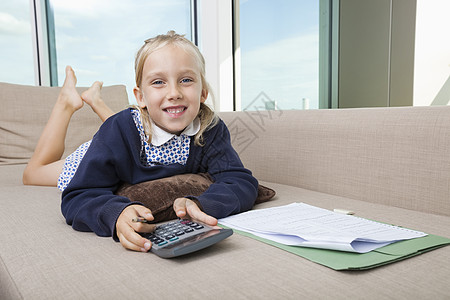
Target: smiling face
(171, 88)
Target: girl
(171, 131)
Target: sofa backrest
(392, 156)
(26, 109)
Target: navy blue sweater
(89, 202)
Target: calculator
(180, 237)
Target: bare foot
(68, 96)
(92, 96)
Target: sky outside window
(16, 46)
(279, 43)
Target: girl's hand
(127, 229)
(185, 206)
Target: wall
(376, 53)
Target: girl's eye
(157, 82)
(186, 80)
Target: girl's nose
(174, 92)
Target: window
(16, 46)
(99, 39)
(279, 54)
(432, 54)
(269, 51)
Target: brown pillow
(159, 195)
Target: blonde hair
(205, 114)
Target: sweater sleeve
(234, 189)
(88, 202)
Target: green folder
(339, 260)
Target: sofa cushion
(159, 195)
(43, 258)
(26, 109)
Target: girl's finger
(198, 215)
(127, 244)
(179, 206)
(142, 227)
(144, 212)
(131, 240)
(184, 206)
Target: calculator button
(162, 243)
(173, 239)
(153, 238)
(178, 233)
(187, 230)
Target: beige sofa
(386, 164)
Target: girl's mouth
(175, 111)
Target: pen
(140, 219)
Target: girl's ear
(204, 95)
(139, 97)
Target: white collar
(160, 136)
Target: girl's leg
(45, 165)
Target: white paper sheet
(300, 224)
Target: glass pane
(432, 54)
(279, 45)
(16, 44)
(99, 39)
